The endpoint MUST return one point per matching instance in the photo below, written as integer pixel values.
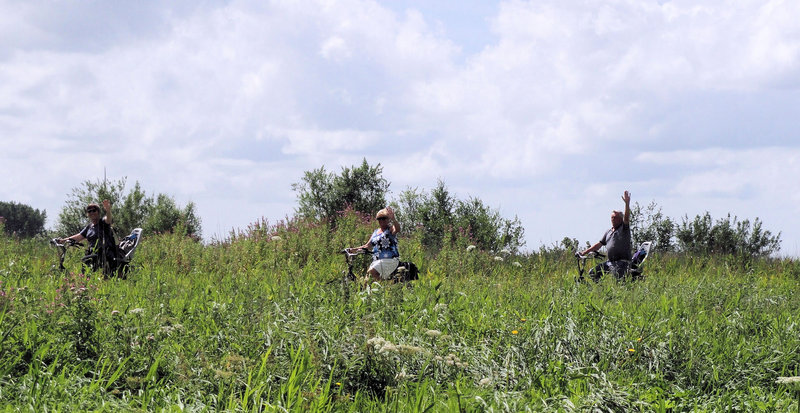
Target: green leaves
(323, 195)
(132, 209)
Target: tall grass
(253, 324)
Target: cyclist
(102, 250)
(383, 243)
(618, 243)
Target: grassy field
(252, 324)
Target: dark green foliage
(165, 216)
(250, 324)
(726, 236)
(22, 219)
(702, 235)
(322, 194)
(129, 210)
(649, 224)
(441, 217)
(430, 213)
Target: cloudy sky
(545, 109)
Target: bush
(443, 218)
(726, 236)
(130, 210)
(649, 224)
(22, 219)
(322, 195)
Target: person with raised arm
(617, 241)
(102, 249)
(383, 243)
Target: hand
(390, 213)
(106, 205)
(626, 197)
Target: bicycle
(406, 271)
(633, 268)
(118, 264)
(61, 249)
(582, 265)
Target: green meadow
(260, 322)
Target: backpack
(411, 271)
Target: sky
(546, 110)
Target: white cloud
(747, 173)
(202, 100)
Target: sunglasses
(382, 218)
(91, 210)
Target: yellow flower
(523, 319)
(338, 384)
(514, 332)
(631, 350)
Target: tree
(22, 219)
(322, 194)
(166, 216)
(431, 213)
(130, 210)
(726, 236)
(650, 224)
(439, 215)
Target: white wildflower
(381, 345)
(470, 247)
(137, 311)
(788, 380)
(505, 251)
(516, 264)
(409, 350)
(403, 375)
(440, 307)
(453, 360)
(485, 381)
(376, 342)
(498, 258)
(275, 238)
(433, 333)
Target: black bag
(411, 273)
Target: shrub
(22, 219)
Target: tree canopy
(130, 209)
(22, 219)
(322, 194)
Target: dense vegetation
(21, 220)
(253, 324)
(130, 209)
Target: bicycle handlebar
(593, 254)
(69, 242)
(359, 251)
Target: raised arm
(395, 224)
(107, 207)
(627, 198)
